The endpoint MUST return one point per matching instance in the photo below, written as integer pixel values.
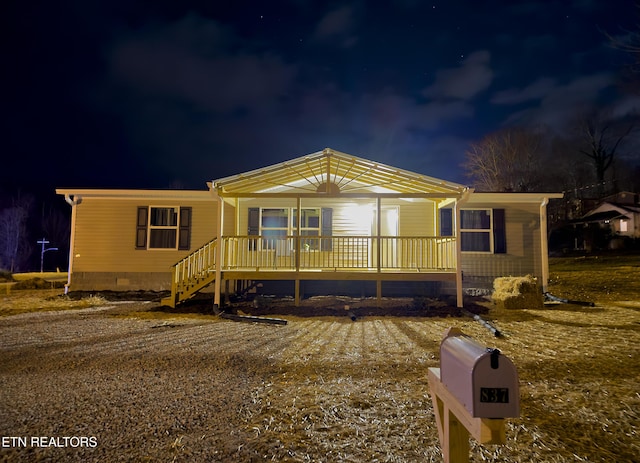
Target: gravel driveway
(123, 383)
(127, 389)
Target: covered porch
(327, 216)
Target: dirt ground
(149, 385)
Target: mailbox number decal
(495, 395)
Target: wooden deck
(350, 258)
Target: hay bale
(517, 293)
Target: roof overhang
(190, 195)
(505, 198)
(331, 173)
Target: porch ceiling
(344, 174)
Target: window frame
(489, 231)
(175, 228)
(291, 228)
(308, 244)
(271, 240)
(182, 227)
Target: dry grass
(327, 389)
(14, 302)
(596, 278)
(49, 276)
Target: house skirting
(121, 281)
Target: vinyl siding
(105, 235)
(417, 218)
(523, 245)
(355, 217)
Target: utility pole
(44, 242)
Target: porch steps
(188, 291)
(192, 274)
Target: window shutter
(446, 222)
(253, 226)
(141, 227)
(327, 228)
(499, 232)
(184, 229)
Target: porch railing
(357, 253)
(192, 273)
(310, 253)
(197, 265)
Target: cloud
(558, 104)
(336, 26)
(192, 65)
(472, 77)
(626, 107)
(435, 114)
(193, 89)
(533, 91)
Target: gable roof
(333, 172)
(621, 209)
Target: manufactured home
(326, 220)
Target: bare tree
(600, 141)
(14, 246)
(629, 42)
(507, 160)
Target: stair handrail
(198, 264)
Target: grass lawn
(596, 278)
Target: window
(475, 230)
(163, 227)
(623, 226)
(274, 226)
(277, 223)
(481, 230)
(309, 226)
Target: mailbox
(481, 378)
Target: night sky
(167, 93)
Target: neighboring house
(315, 221)
(619, 212)
(606, 225)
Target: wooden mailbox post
(472, 392)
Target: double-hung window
(481, 230)
(309, 226)
(163, 227)
(476, 230)
(273, 225)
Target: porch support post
(297, 240)
(544, 244)
(378, 223)
(456, 215)
(298, 248)
(217, 285)
(379, 250)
